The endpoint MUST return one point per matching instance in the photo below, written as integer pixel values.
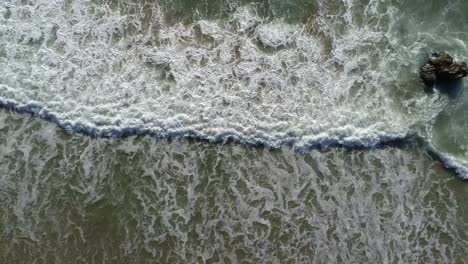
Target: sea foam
(92, 69)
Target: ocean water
(179, 131)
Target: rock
(441, 67)
(442, 59)
(428, 74)
(456, 71)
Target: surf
(334, 78)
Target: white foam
(84, 67)
(277, 34)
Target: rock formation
(441, 67)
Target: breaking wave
(341, 77)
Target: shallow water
(72, 199)
(230, 131)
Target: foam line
(322, 144)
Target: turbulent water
(184, 131)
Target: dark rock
(442, 59)
(441, 68)
(456, 71)
(428, 74)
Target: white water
(205, 77)
(109, 72)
